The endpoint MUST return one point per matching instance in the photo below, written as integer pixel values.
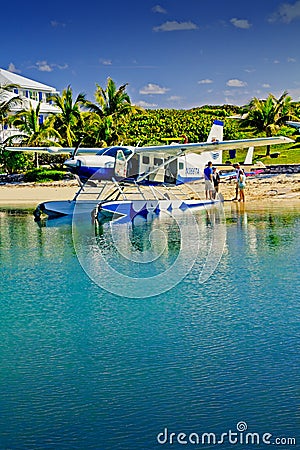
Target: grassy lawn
(289, 154)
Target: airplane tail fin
(249, 156)
(216, 132)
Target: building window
(41, 119)
(48, 98)
(146, 160)
(33, 95)
(181, 166)
(16, 91)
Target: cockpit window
(120, 155)
(101, 151)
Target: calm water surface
(82, 368)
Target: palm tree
(7, 102)
(97, 131)
(69, 122)
(111, 101)
(112, 106)
(267, 116)
(33, 133)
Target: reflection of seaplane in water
(108, 175)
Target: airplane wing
(181, 149)
(170, 150)
(53, 150)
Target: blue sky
(172, 53)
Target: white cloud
(291, 60)
(176, 26)
(43, 66)
(153, 89)
(12, 68)
(205, 81)
(287, 12)
(266, 86)
(55, 24)
(60, 67)
(276, 61)
(146, 105)
(174, 98)
(159, 9)
(241, 23)
(236, 83)
(106, 62)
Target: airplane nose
(70, 163)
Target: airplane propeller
(77, 147)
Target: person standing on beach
(216, 181)
(241, 185)
(208, 179)
(237, 176)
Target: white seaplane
(107, 175)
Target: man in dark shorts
(208, 180)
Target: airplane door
(120, 165)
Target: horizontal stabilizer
(293, 124)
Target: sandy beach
(279, 188)
(33, 193)
(266, 188)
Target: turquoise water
(82, 368)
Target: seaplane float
(127, 181)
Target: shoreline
(34, 193)
(271, 189)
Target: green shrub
(41, 175)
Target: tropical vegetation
(112, 119)
(268, 116)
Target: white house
(31, 92)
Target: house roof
(7, 77)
